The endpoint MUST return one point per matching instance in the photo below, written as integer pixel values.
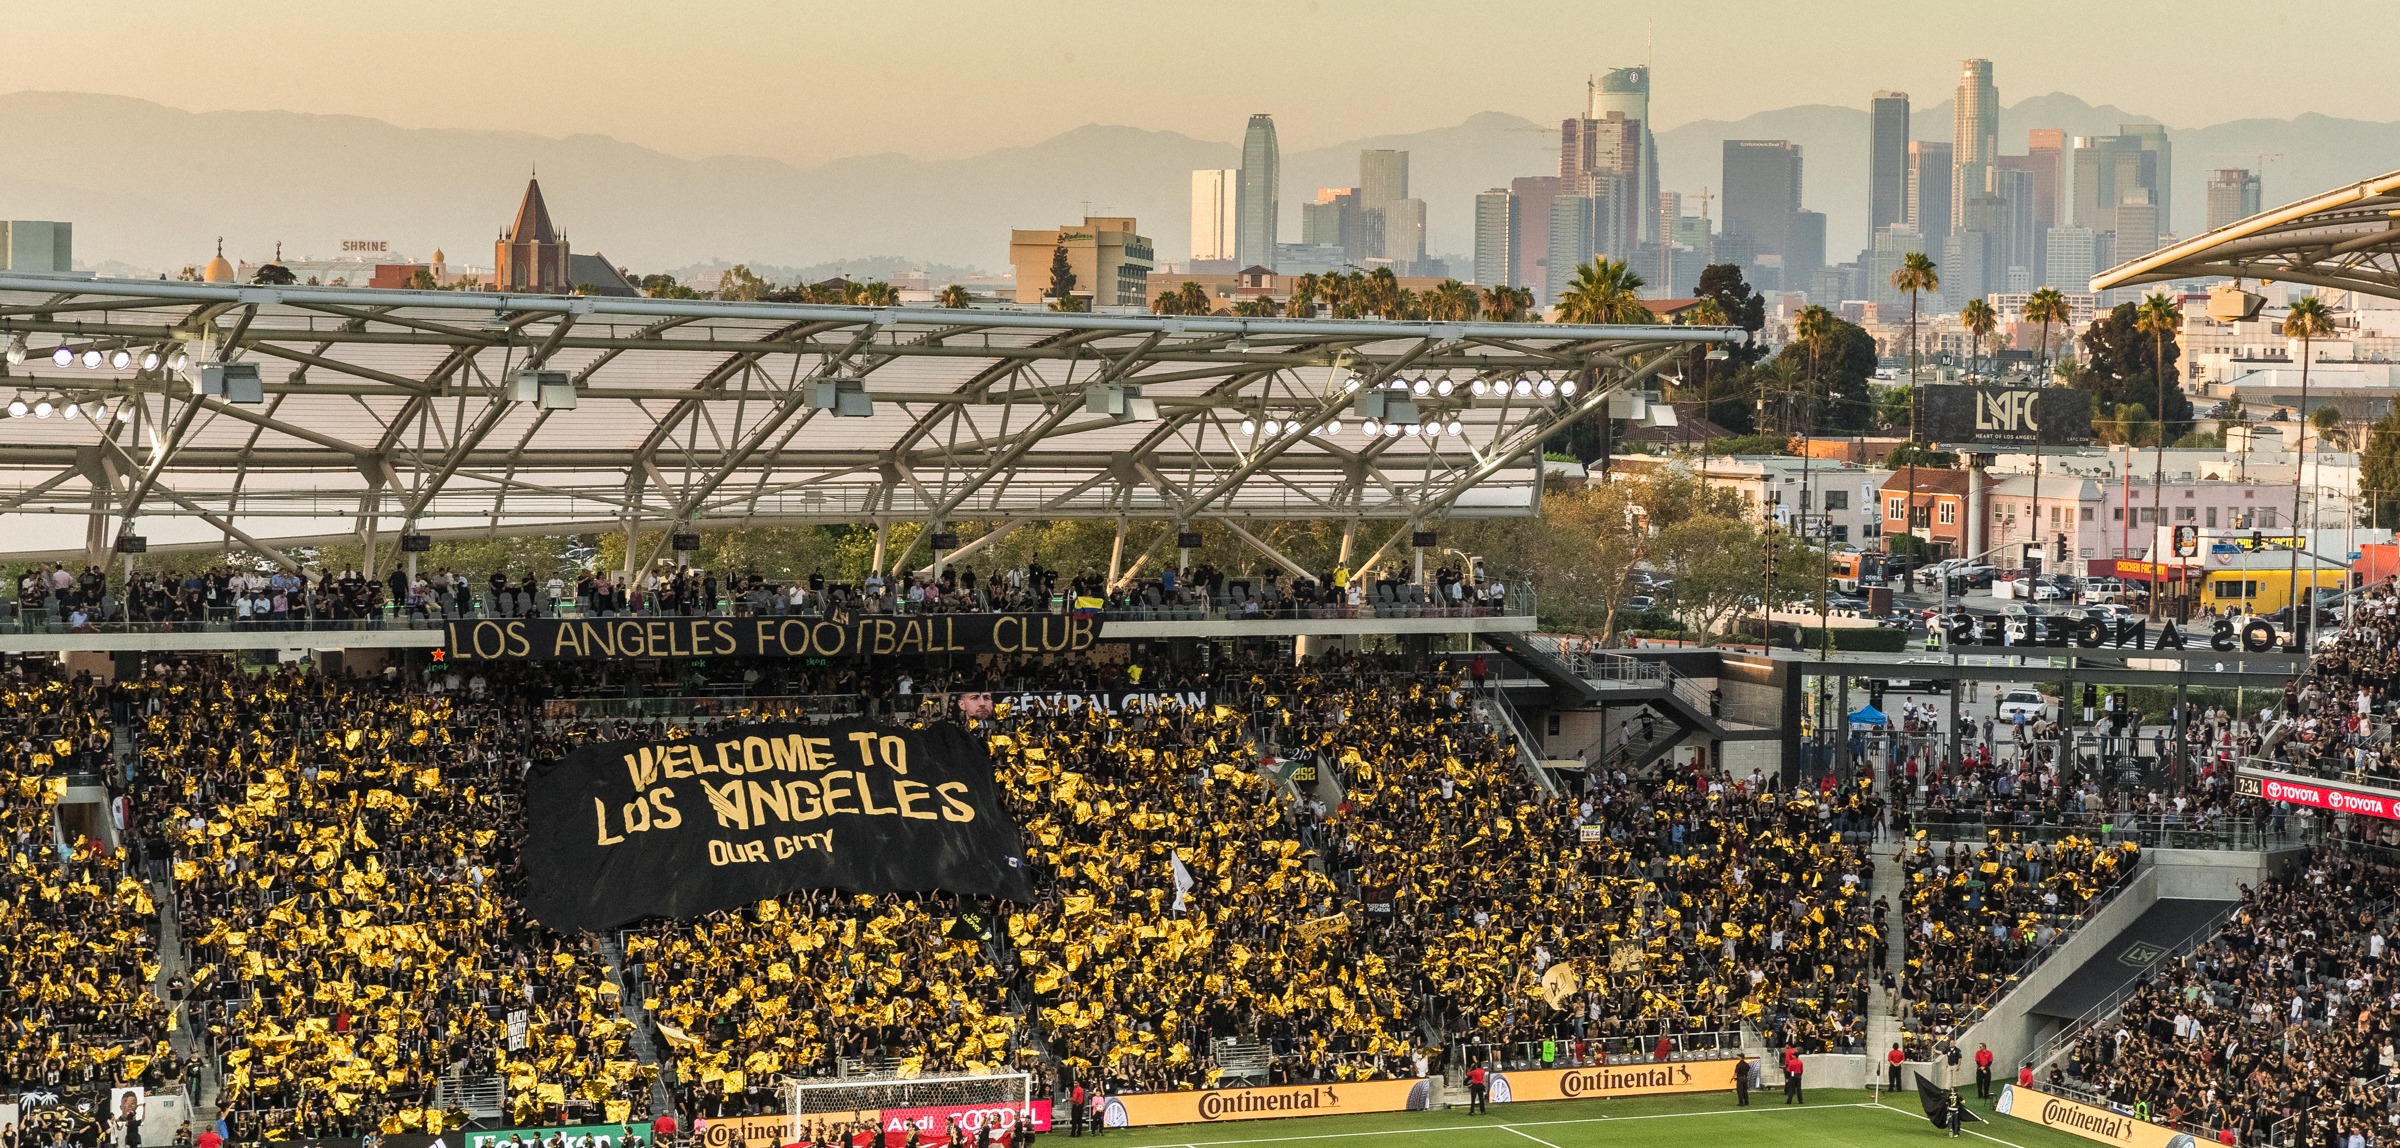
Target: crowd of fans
(1337, 864)
(57, 598)
(2278, 1030)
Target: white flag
(1183, 877)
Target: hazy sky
(806, 81)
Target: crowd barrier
(1214, 1106)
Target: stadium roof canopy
(383, 410)
(2347, 239)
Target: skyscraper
(2045, 157)
(2139, 224)
(2232, 196)
(1929, 206)
(1262, 175)
(1400, 220)
(1495, 237)
(1762, 195)
(1215, 221)
(2072, 259)
(1975, 133)
(2151, 139)
(1887, 159)
(1626, 91)
(1574, 229)
(1382, 176)
(1532, 247)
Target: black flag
(1936, 1100)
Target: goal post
(995, 1099)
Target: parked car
(1844, 604)
(1641, 603)
(2031, 703)
(2103, 590)
(2046, 591)
(1925, 685)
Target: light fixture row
(1369, 428)
(93, 358)
(1523, 386)
(45, 406)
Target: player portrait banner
(1216, 1105)
(2105, 1125)
(1617, 1080)
(873, 635)
(682, 827)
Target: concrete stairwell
(1883, 1013)
(639, 1041)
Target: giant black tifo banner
(2053, 416)
(679, 828)
(866, 635)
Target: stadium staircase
(1681, 708)
(1883, 1013)
(640, 1042)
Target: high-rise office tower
(1603, 156)
(2017, 250)
(2072, 259)
(1929, 206)
(1532, 249)
(1382, 176)
(2138, 224)
(1975, 134)
(2151, 140)
(1762, 193)
(2045, 157)
(1495, 237)
(1626, 92)
(1573, 235)
(2232, 196)
(1893, 243)
(1804, 249)
(1383, 191)
(1262, 175)
(1215, 222)
(1887, 159)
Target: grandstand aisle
(1889, 887)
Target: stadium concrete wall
(2014, 1031)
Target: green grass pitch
(1830, 1119)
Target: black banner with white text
(680, 828)
(867, 635)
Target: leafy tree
(1062, 276)
(1751, 444)
(1838, 367)
(2379, 470)
(2330, 426)
(742, 285)
(1070, 304)
(422, 279)
(274, 275)
(2120, 366)
(1722, 284)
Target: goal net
(995, 1100)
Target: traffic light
(2062, 548)
(1875, 693)
(2091, 696)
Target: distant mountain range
(150, 187)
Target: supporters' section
(1300, 888)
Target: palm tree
(878, 294)
(1980, 321)
(1916, 274)
(2047, 306)
(2307, 320)
(1604, 291)
(2158, 317)
(1505, 304)
(1303, 301)
(1814, 329)
(1450, 301)
(955, 297)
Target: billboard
(1954, 414)
(1601, 1081)
(1216, 1105)
(2102, 1124)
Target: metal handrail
(1498, 703)
(2084, 1025)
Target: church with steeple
(532, 255)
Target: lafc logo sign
(2007, 412)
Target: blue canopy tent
(1868, 716)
